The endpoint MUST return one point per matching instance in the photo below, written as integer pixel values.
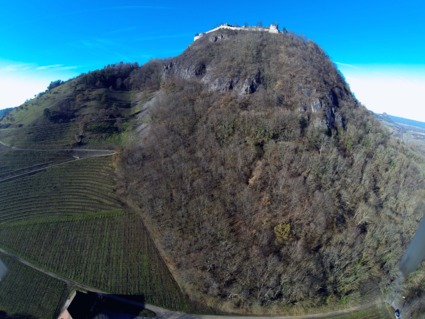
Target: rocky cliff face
(282, 64)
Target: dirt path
(82, 150)
(164, 313)
(311, 316)
(93, 150)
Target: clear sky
(378, 45)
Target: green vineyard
(15, 163)
(118, 257)
(57, 192)
(66, 218)
(27, 293)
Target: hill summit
(265, 182)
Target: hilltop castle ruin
(274, 28)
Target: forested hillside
(265, 182)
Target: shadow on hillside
(92, 305)
(4, 315)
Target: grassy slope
(44, 136)
(79, 115)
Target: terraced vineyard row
(114, 254)
(68, 220)
(88, 189)
(29, 293)
(16, 162)
(44, 136)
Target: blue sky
(378, 45)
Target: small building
(274, 28)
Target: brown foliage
(221, 175)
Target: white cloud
(47, 67)
(56, 67)
(21, 81)
(16, 67)
(16, 90)
(346, 65)
(397, 93)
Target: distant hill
(242, 176)
(407, 121)
(400, 121)
(410, 131)
(5, 111)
